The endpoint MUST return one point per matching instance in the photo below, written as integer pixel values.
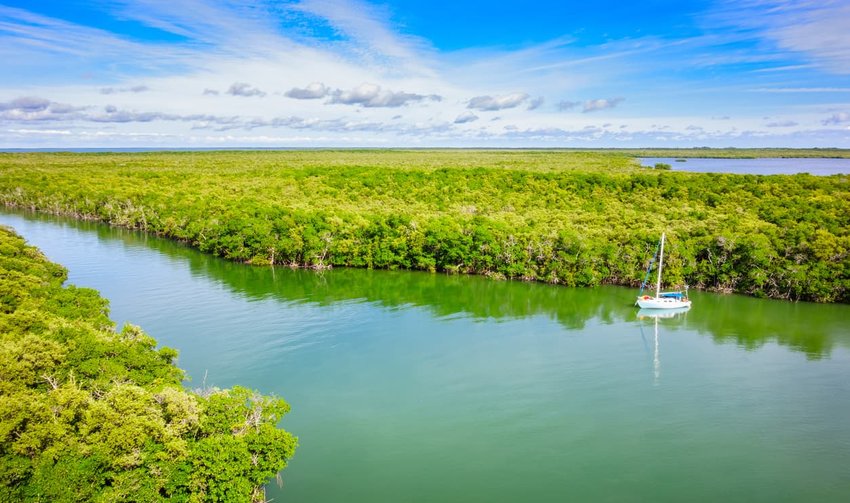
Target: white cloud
(26, 104)
(243, 89)
(536, 103)
(373, 96)
(60, 45)
(802, 90)
(116, 90)
(314, 90)
(837, 118)
(465, 118)
(231, 27)
(369, 29)
(491, 103)
(782, 124)
(817, 30)
(600, 104)
(61, 132)
(222, 44)
(32, 108)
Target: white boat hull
(647, 302)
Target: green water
(431, 388)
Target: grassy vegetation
(569, 217)
(91, 414)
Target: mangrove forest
(576, 218)
(88, 413)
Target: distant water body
(760, 166)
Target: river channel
(417, 387)
(755, 166)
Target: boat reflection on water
(657, 314)
(661, 313)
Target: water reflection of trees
(748, 322)
(443, 295)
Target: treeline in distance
(578, 218)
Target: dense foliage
(575, 218)
(90, 414)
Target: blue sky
(324, 73)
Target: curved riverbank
(571, 218)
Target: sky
(355, 73)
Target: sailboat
(662, 300)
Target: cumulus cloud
(116, 90)
(491, 103)
(536, 103)
(332, 126)
(243, 89)
(313, 91)
(327, 125)
(597, 135)
(836, 119)
(112, 114)
(33, 108)
(466, 117)
(600, 104)
(567, 105)
(535, 133)
(26, 104)
(781, 124)
(210, 92)
(373, 96)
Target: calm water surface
(425, 388)
(761, 166)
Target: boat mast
(660, 264)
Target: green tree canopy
(91, 414)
